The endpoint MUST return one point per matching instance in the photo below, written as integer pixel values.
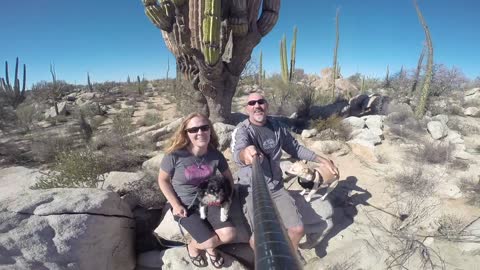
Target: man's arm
(242, 147)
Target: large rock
(16, 179)
(224, 133)
(472, 111)
(66, 229)
(472, 94)
(152, 166)
(354, 122)
(330, 147)
(117, 181)
(177, 258)
(374, 121)
(437, 129)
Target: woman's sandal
(216, 260)
(198, 260)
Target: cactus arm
(268, 17)
(293, 52)
(8, 86)
(211, 31)
(24, 78)
(283, 59)
(160, 15)
(238, 19)
(16, 83)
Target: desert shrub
(281, 96)
(25, 115)
(464, 128)
(145, 192)
(73, 169)
(332, 128)
(413, 181)
(150, 118)
(434, 152)
(122, 123)
(445, 80)
(131, 102)
(117, 159)
(45, 149)
(450, 226)
(471, 188)
(459, 164)
(402, 123)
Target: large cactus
(14, 94)
(335, 51)
(288, 72)
(422, 104)
(212, 41)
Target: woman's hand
(328, 163)
(179, 210)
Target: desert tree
(212, 41)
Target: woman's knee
(227, 234)
(297, 230)
(209, 243)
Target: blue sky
(114, 39)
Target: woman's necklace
(198, 162)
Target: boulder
(367, 137)
(156, 134)
(66, 229)
(374, 121)
(472, 111)
(224, 133)
(116, 181)
(354, 122)
(437, 129)
(330, 147)
(177, 258)
(472, 94)
(308, 133)
(152, 166)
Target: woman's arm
(167, 190)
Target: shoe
(216, 259)
(198, 260)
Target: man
(266, 137)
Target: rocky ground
(408, 197)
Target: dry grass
(450, 227)
(332, 128)
(413, 181)
(433, 152)
(471, 188)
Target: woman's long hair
(179, 139)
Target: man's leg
(289, 215)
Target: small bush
(464, 128)
(459, 164)
(332, 128)
(414, 182)
(434, 152)
(25, 115)
(150, 118)
(471, 189)
(450, 226)
(44, 150)
(72, 169)
(122, 123)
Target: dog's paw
(223, 218)
(203, 213)
(308, 199)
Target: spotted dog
(216, 191)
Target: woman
(191, 158)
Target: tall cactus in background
(335, 62)
(89, 83)
(212, 40)
(13, 94)
(260, 70)
(387, 77)
(422, 104)
(417, 72)
(288, 71)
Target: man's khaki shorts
(288, 211)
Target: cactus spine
(288, 73)
(335, 62)
(14, 94)
(420, 110)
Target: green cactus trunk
(90, 86)
(212, 41)
(283, 59)
(335, 62)
(293, 53)
(387, 77)
(260, 70)
(421, 107)
(417, 72)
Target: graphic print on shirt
(195, 174)
(268, 145)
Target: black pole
(272, 245)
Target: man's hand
(247, 154)
(328, 163)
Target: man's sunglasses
(196, 129)
(260, 102)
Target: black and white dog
(216, 191)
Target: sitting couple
(192, 157)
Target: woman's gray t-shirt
(188, 171)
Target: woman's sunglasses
(260, 102)
(203, 128)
